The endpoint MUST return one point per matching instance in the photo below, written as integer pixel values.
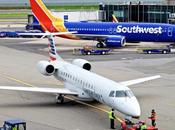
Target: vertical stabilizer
(47, 20)
(53, 55)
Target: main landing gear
(60, 99)
(100, 45)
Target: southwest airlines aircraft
(106, 33)
(84, 84)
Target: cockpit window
(129, 93)
(126, 93)
(112, 94)
(120, 94)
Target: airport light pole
(138, 11)
(107, 2)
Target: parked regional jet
(106, 33)
(84, 84)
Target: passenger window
(112, 94)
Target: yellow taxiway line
(16, 80)
(30, 85)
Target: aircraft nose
(135, 108)
(130, 107)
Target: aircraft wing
(40, 90)
(140, 80)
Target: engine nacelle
(46, 68)
(117, 41)
(82, 63)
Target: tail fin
(47, 20)
(53, 55)
(114, 19)
(52, 48)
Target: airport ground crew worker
(153, 117)
(14, 128)
(112, 118)
(123, 125)
(143, 126)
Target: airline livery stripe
(43, 18)
(52, 55)
(52, 58)
(47, 20)
(43, 7)
(53, 19)
(51, 46)
(52, 49)
(52, 52)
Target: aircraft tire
(99, 45)
(149, 52)
(88, 53)
(60, 99)
(103, 52)
(164, 52)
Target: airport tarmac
(18, 68)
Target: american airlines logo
(137, 29)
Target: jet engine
(46, 68)
(117, 41)
(82, 63)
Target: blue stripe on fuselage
(155, 32)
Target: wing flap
(140, 80)
(40, 90)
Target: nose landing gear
(60, 99)
(100, 45)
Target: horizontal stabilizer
(40, 90)
(140, 80)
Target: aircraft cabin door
(170, 31)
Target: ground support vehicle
(14, 125)
(15, 34)
(88, 50)
(157, 50)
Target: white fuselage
(90, 86)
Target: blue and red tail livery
(52, 49)
(111, 34)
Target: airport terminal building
(158, 11)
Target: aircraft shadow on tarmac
(47, 104)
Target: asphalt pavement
(18, 68)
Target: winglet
(137, 81)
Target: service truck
(157, 50)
